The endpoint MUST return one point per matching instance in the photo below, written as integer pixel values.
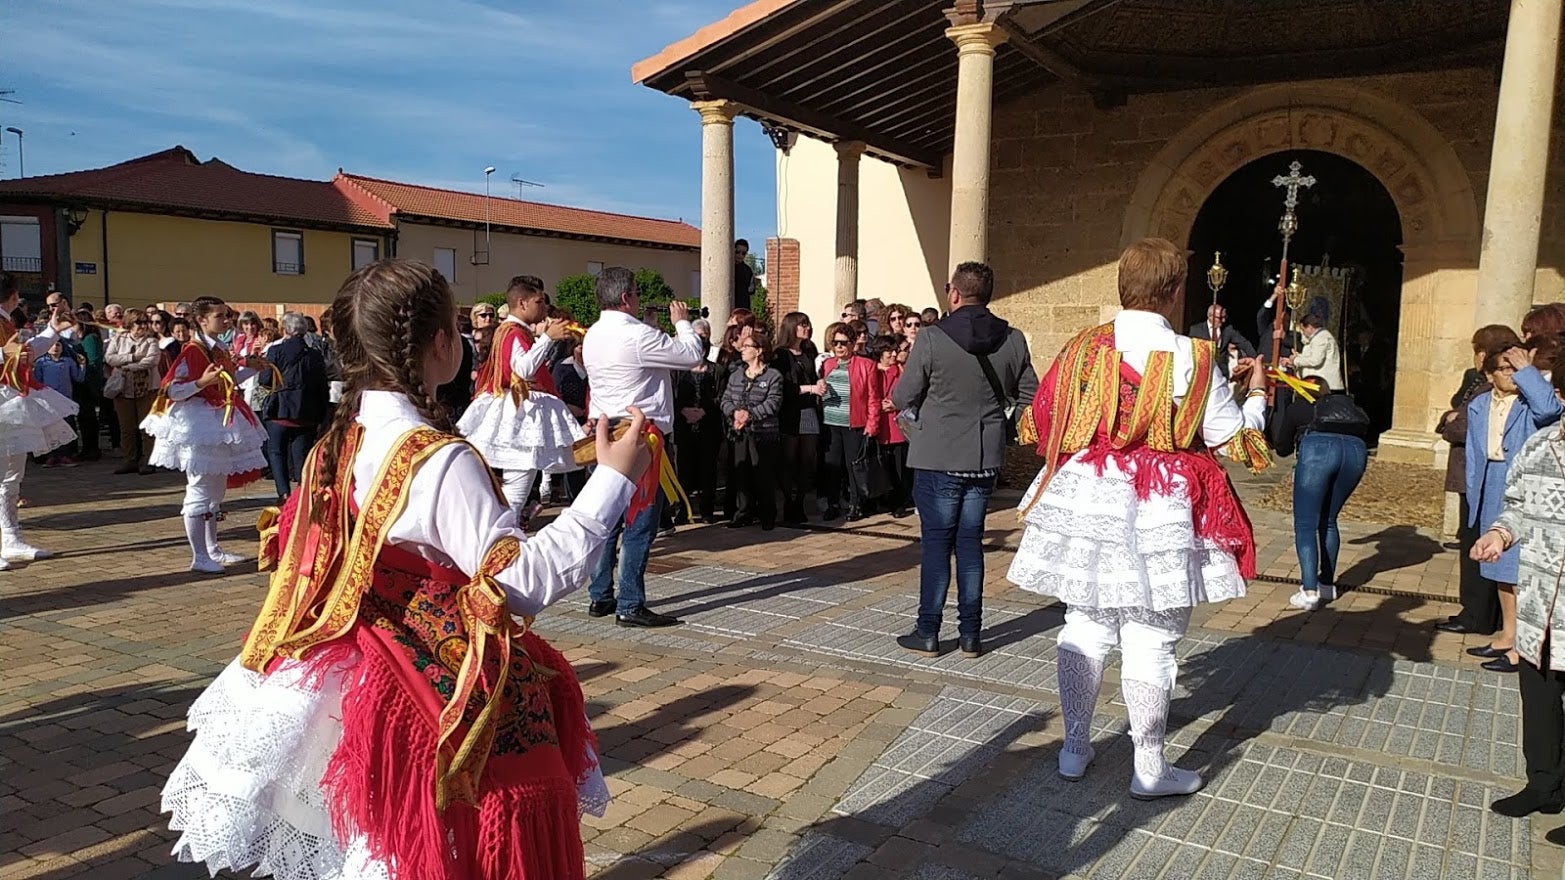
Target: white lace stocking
(1081, 677)
(1146, 704)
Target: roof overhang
(454, 223)
(135, 207)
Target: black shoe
(1488, 652)
(793, 514)
(1528, 801)
(929, 646)
(1455, 626)
(833, 512)
(601, 609)
(741, 522)
(643, 616)
(146, 470)
(1556, 836)
(972, 646)
(855, 514)
(1501, 663)
(900, 513)
(129, 468)
(768, 526)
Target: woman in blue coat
(1520, 401)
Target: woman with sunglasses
(800, 418)
(850, 387)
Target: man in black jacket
(956, 445)
(293, 412)
(1217, 329)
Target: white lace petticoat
(35, 422)
(535, 436)
(192, 437)
(1092, 543)
(248, 793)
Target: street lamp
(488, 244)
(21, 160)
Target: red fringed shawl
(223, 394)
(1091, 402)
(464, 734)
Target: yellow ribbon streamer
(1305, 389)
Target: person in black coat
(698, 435)
(296, 409)
(1217, 329)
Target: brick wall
(782, 276)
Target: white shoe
(1173, 782)
(1305, 601)
(20, 551)
(223, 557)
(206, 566)
(4, 566)
(1073, 765)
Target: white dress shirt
(1320, 358)
(184, 385)
(453, 515)
(524, 364)
(1138, 334)
(629, 364)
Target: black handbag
(876, 481)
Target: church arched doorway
(1349, 233)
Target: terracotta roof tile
(175, 179)
(462, 207)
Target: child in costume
(517, 419)
(388, 715)
(32, 420)
(1133, 521)
(201, 424)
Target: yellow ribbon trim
(1302, 387)
(668, 479)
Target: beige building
(1044, 136)
(480, 242)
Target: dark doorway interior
(1347, 214)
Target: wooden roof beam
(710, 86)
(1103, 93)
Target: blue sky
(424, 91)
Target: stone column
(1513, 211)
(717, 208)
(847, 265)
(975, 45)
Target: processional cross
(1288, 225)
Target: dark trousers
(1480, 598)
(1543, 724)
(286, 447)
(797, 469)
(757, 480)
(87, 402)
(109, 416)
(697, 466)
(893, 457)
(846, 474)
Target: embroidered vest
(223, 394)
(16, 371)
(496, 376)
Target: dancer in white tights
(1133, 521)
(32, 420)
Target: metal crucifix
(1289, 224)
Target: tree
(578, 294)
(493, 299)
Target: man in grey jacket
(957, 446)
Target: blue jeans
(638, 537)
(286, 448)
(1328, 470)
(951, 518)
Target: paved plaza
(781, 734)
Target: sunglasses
(842, 342)
(912, 323)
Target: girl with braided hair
(388, 715)
(201, 424)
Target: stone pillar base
(1411, 447)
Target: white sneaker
(1073, 765)
(206, 566)
(1304, 601)
(223, 557)
(1173, 782)
(21, 551)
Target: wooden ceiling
(883, 71)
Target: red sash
(496, 376)
(223, 394)
(17, 372)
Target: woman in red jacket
(883, 427)
(852, 383)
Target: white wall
(904, 224)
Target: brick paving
(781, 735)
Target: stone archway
(1418, 167)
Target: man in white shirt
(1320, 358)
(630, 364)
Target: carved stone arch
(1441, 227)
(1415, 163)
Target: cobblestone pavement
(780, 734)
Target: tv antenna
(5, 96)
(522, 184)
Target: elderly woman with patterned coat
(1531, 523)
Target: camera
(695, 312)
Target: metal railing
(287, 268)
(21, 264)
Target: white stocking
(1147, 705)
(517, 486)
(1081, 677)
(12, 547)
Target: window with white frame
(287, 252)
(445, 261)
(594, 268)
(21, 244)
(365, 251)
